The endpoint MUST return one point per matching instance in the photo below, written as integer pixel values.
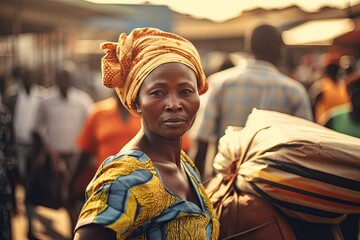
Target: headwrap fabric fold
(129, 61)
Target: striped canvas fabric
(308, 171)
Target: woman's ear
(137, 107)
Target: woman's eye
(186, 91)
(156, 93)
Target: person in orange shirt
(330, 90)
(108, 127)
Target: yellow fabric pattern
(206, 199)
(185, 225)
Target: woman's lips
(174, 122)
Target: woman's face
(169, 100)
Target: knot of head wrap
(128, 62)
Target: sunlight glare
(220, 11)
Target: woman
(151, 189)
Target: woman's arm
(94, 232)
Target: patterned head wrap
(129, 61)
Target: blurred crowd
(54, 138)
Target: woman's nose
(173, 103)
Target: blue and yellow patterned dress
(128, 196)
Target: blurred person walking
(330, 90)
(234, 92)
(23, 104)
(23, 100)
(345, 118)
(60, 118)
(7, 164)
(108, 127)
(305, 71)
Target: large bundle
(308, 171)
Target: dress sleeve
(112, 205)
(121, 195)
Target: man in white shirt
(23, 104)
(60, 118)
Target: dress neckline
(144, 157)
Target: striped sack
(310, 172)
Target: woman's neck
(158, 148)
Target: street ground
(48, 224)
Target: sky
(222, 10)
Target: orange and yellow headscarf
(129, 61)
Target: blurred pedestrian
(330, 90)
(107, 129)
(151, 189)
(7, 164)
(236, 91)
(345, 118)
(23, 104)
(217, 61)
(23, 100)
(305, 71)
(60, 118)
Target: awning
(350, 39)
(24, 16)
(318, 32)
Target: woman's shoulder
(126, 154)
(125, 168)
(125, 162)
